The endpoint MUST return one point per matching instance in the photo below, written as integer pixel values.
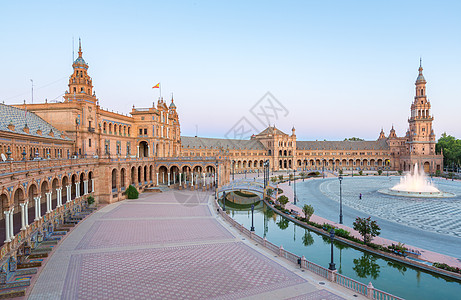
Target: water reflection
(366, 266)
(393, 277)
(401, 268)
(308, 239)
(283, 223)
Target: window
(89, 143)
(142, 118)
(140, 131)
(145, 131)
(89, 123)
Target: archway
(43, 191)
(162, 175)
(143, 149)
(33, 192)
(17, 198)
(4, 207)
(54, 195)
(90, 182)
(174, 175)
(64, 184)
(114, 180)
(133, 175)
(122, 179)
(427, 167)
(82, 185)
(139, 174)
(73, 187)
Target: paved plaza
(170, 246)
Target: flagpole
(160, 89)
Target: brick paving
(318, 295)
(162, 247)
(113, 233)
(228, 270)
(157, 210)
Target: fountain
(416, 185)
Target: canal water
(386, 275)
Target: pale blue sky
(341, 68)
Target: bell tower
(421, 138)
(80, 83)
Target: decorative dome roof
(172, 105)
(420, 78)
(80, 61)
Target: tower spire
(79, 47)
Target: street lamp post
(224, 201)
(252, 221)
(245, 174)
(216, 181)
(332, 236)
(258, 172)
(294, 186)
(340, 177)
(233, 169)
(323, 168)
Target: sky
(337, 68)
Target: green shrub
(342, 233)
(132, 192)
(90, 200)
(438, 173)
(380, 172)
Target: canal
(386, 275)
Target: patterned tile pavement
(227, 271)
(125, 252)
(114, 233)
(317, 295)
(130, 210)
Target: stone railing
(12, 167)
(366, 290)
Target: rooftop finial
(79, 47)
(420, 62)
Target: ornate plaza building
(55, 155)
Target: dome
(420, 78)
(80, 61)
(172, 106)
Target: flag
(157, 86)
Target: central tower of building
(421, 137)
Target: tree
(291, 176)
(269, 192)
(283, 200)
(340, 171)
(308, 211)
(380, 172)
(360, 172)
(132, 192)
(353, 139)
(451, 148)
(302, 174)
(274, 179)
(367, 228)
(280, 177)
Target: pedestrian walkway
(167, 246)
